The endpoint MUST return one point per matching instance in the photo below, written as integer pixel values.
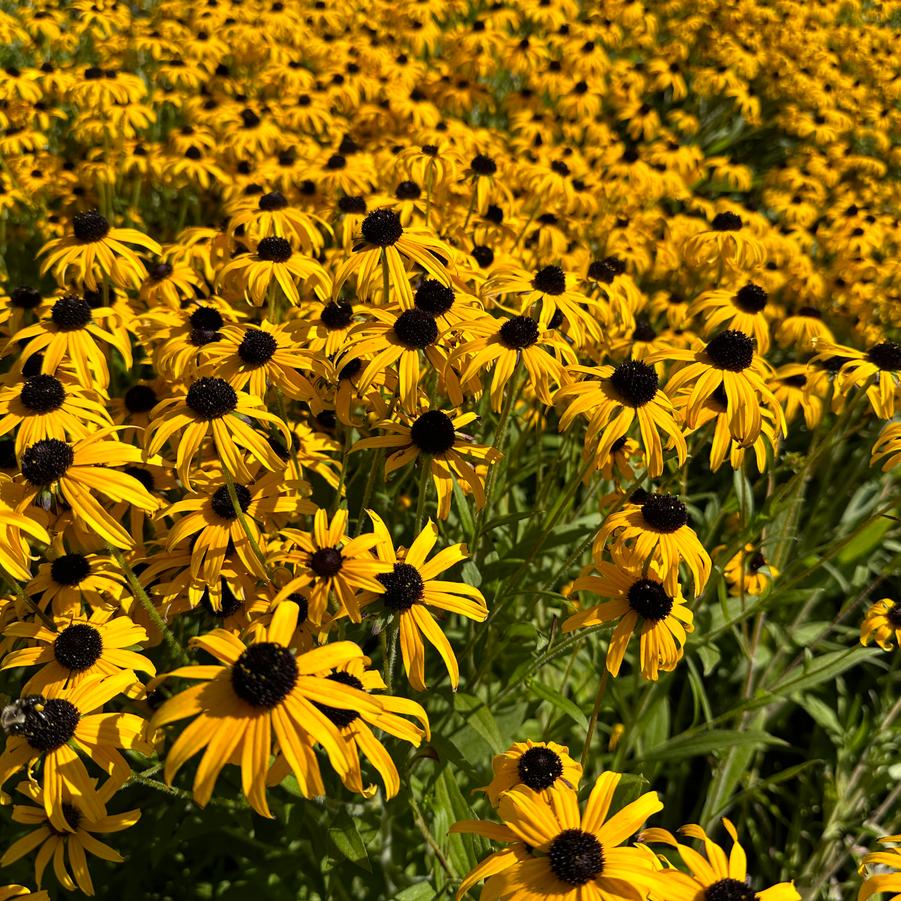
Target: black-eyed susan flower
(255, 358)
(74, 843)
(53, 730)
(877, 371)
(887, 448)
(328, 563)
(411, 587)
(727, 242)
(540, 766)
(558, 853)
(613, 398)
(95, 251)
(210, 524)
(728, 360)
(749, 573)
(434, 439)
(379, 256)
(714, 875)
(887, 880)
(882, 623)
(273, 216)
(82, 648)
(70, 334)
(273, 268)
(636, 593)
(656, 525)
(743, 309)
(210, 405)
(503, 344)
(170, 283)
(42, 406)
(397, 338)
(550, 295)
(55, 471)
(356, 727)
(257, 694)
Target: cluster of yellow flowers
(260, 257)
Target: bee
(19, 717)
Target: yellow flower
(95, 251)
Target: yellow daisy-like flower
(656, 525)
(275, 265)
(503, 345)
(887, 446)
(73, 843)
(713, 876)
(95, 250)
(636, 593)
(258, 693)
(74, 473)
(726, 241)
(385, 242)
(53, 730)
(410, 587)
(743, 309)
(433, 436)
(259, 357)
(613, 398)
(883, 883)
(558, 854)
(331, 564)
(397, 338)
(42, 406)
(882, 624)
(211, 405)
(729, 360)
(540, 766)
(70, 334)
(748, 572)
(356, 728)
(211, 524)
(82, 649)
(877, 370)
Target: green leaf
(729, 773)
(422, 891)
(479, 717)
(343, 832)
(821, 669)
(564, 705)
(866, 541)
(710, 741)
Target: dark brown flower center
(539, 768)
(264, 675)
(576, 857)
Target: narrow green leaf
(823, 669)
(343, 832)
(564, 705)
(480, 718)
(708, 742)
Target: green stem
(498, 442)
(592, 723)
(138, 591)
(423, 490)
(242, 519)
(29, 602)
